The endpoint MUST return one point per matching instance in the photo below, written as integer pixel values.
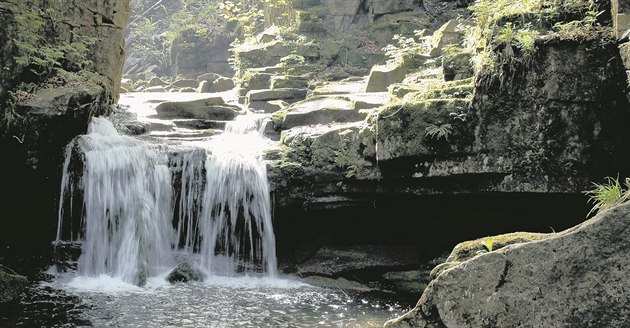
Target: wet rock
(338, 283)
(187, 90)
(204, 86)
(574, 279)
(213, 108)
(271, 106)
(411, 282)
(186, 272)
(11, 284)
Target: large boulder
(185, 83)
(574, 279)
(11, 284)
(382, 76)
(186, 272)
(213, 108)
(222, 84)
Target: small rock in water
(186, 272)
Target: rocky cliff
(61, 64)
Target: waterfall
(136, 212)
(236, 211)
(126, 223)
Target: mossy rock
(469, 249)
(11, 284)
(186, 272)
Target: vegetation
(609, 194)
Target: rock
(321, 111)
(277, 94)
(186, 272)
(457, 65)
(156, 81)
(187, 90)
(204, 86)
(222, 84)
(450, 33)
(382, 76)
(213, 108)
(342, 12)
(271, 106)
(380, 7)
(210, 77)
(184, 83)
(572, 279)
(294, 82)
(11, 285)
(155, 89)
(336, 284)
(256, 81)
(127, 84)
(411, 282)
(333, 261)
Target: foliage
(406, 47)
(487, 244)
(438, 132)
(609, 194)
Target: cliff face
(61, 64)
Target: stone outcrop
(574, 278)
(85, 38)
(186, 272)
(213, 108)
(11, 284)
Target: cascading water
(236, 212)
(125, 223)
(131, 222)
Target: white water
(127, 228)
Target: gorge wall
(61, 64)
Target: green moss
(278, 119)
(468, 249)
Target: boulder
(321, 111)
(210, 77)
(157, 88)
(184, 83)
(204, 86)
(222, 84)
(575, 278)
(156, 81)
(277, 94)
(411, 282)
(186, 272)
(11, 284)
(187, 90)
(213, 108)
(382, 76)
(342, 12)
(127, 84)
(295, 82)
(256, 81)
(450, 33)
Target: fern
(439, 132)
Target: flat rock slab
(213, 108)
(199, 124)
(277, 94)
(321, 111)
(333, 261)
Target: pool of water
(69, 301)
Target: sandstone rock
(185, 83)
(186, 272)
(450, 33)
(342, 12)
(210, 77)
(277, 94)
(572, 279)
(382, 76)
(213, 108)
(222, 84)
(156, 81)
(271, 106)
(204, 86)
(321, 111)
(11, 285)
(295, 82)
(157, 88)
(187, 90)
(256, 81)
